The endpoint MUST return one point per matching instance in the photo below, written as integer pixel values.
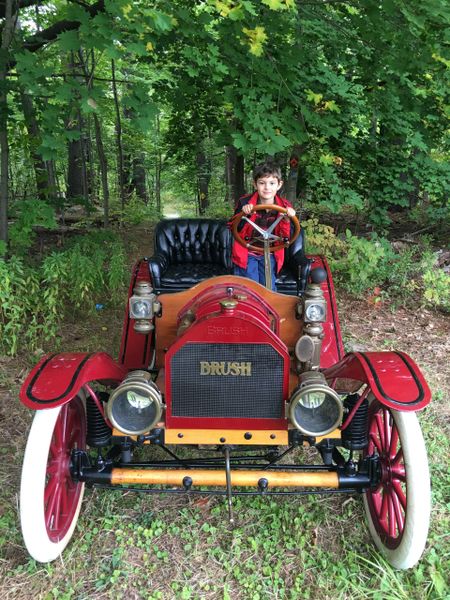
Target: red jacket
(239, 254)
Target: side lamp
(143, 306)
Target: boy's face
(267, 187)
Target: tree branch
(50, 34)
(90, 8)
(19, 4)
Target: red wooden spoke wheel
(275, 244)
(398, 510)
(50, 500)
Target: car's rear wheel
(398, 510)
(50, 500)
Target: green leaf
(69, 40)
(279, 4)
(313, 97)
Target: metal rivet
(180, 435)
(273, 436)
(222, 440)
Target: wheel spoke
(57, 507)
(52, 467)
(397, 460)
(387, 429)
(394, 443)
(391, 515)
(64, 424)
(380, 429)
(51, 511)
(56, 442)
(49, 489)
(400, 493)
(383, 512)
(74, 436)
(61, 493)
(399, 517)
(376, 442)
(398, 510)
(64, 502)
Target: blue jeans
(255, 270)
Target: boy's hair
(266, 168)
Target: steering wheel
(271, 241)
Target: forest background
(118, 110)
(114, 113)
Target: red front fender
(393, 377)
(57, 378)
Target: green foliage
(322, 239)
(20, 306)
(136, 212)
(34, 300)
(29, 214)
(366, 263)
(436, 283)
(373, 266)
(219, 210)
(343, 85)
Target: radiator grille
(258, 395)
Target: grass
(161, 547)
(137, 546)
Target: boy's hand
(290, 212)
(247, 209)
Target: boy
(266, 181)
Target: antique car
(230, 380)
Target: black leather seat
(188, 251)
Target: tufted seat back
(195, 241)
(188, 251)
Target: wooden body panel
(211, 477)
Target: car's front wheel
(50, 500)
(398, 510)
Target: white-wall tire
(50, 500)
(398, 511)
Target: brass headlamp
(315, 408)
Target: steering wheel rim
(274, 246)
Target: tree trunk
(76, 167)
(126, 174)
(203, 178)
(239, 176)
(140, 179)
(234, 175)
(290, 185)
(75, 171)
(158, 169)
(118, 137)
(103, 169)
(102, 159)
(45, 183)
(9, 23)
(230, 176)
(91, 179)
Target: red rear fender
(393, 377)
(57, 378)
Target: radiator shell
(226, 398)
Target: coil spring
(98, 432)
(355, 435)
